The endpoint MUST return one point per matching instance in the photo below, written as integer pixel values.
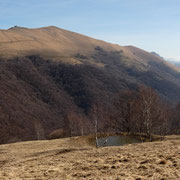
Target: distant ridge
(173, 61)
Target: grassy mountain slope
(50, 78)
(55, 42)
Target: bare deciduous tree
(98, 115)
(151, 114)
(39, 130)
(175, 121)
(141, 111)
(124, 104)
(95, 118)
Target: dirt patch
(2, 163)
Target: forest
(43, 99)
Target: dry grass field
(75, 158)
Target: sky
(153, 25)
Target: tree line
(138, 111)
(144, 111)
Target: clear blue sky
(153, 25)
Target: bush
(58, 133)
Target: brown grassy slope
(48, 41)
(73, 158)
(55, 42)
(146, 57)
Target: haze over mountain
(173, 61)
(170, 60)
(50, 78)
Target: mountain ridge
(25, 41)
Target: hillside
(50, 78)
(175, 63)
(74, 158)
(56, 43)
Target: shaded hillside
(39, 96)
(50, 79)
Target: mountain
(174, 62)
(169, 60)
(50, 78)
